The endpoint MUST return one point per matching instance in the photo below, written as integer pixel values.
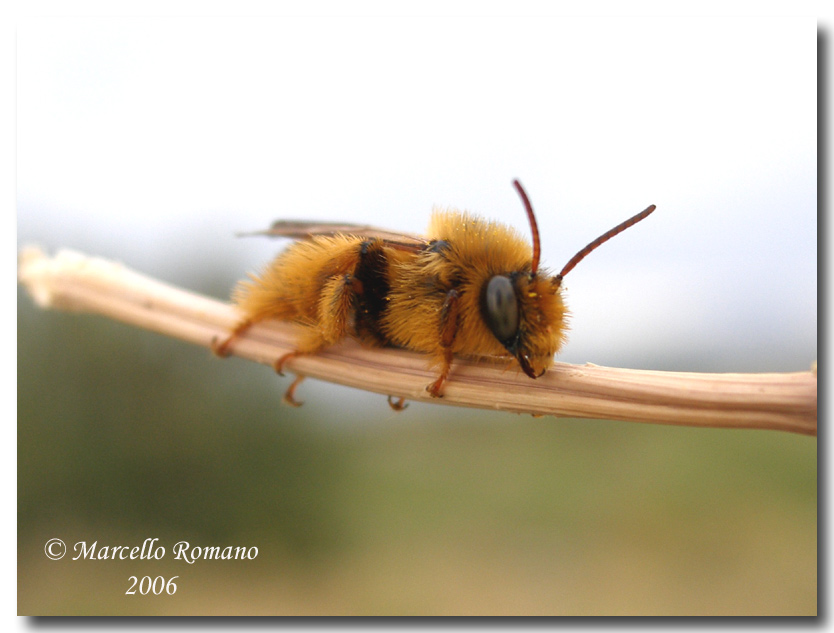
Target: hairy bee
(469, 287)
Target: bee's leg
(278, 365)
(436, 388)
(448, 329)
(221, 348)
(399, 405)
(289, 395)
(310, 342)
(337, 299)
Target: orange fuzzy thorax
(478, 250)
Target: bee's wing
(305, 230)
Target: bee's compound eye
(501, 308)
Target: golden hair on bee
(469, 287)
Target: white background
(154, 140)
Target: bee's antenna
(604, 238)
(537, 248)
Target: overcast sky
(143, 138)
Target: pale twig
(786, 401)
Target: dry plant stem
(788, 402)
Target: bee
(469, 287)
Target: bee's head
(524, 310)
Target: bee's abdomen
(372, 274)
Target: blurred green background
(125, 435)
